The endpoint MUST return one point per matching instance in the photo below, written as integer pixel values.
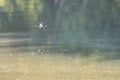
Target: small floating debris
(41, 26)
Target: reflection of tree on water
(75, 24)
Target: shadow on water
(22, 43)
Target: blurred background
(70, 26)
